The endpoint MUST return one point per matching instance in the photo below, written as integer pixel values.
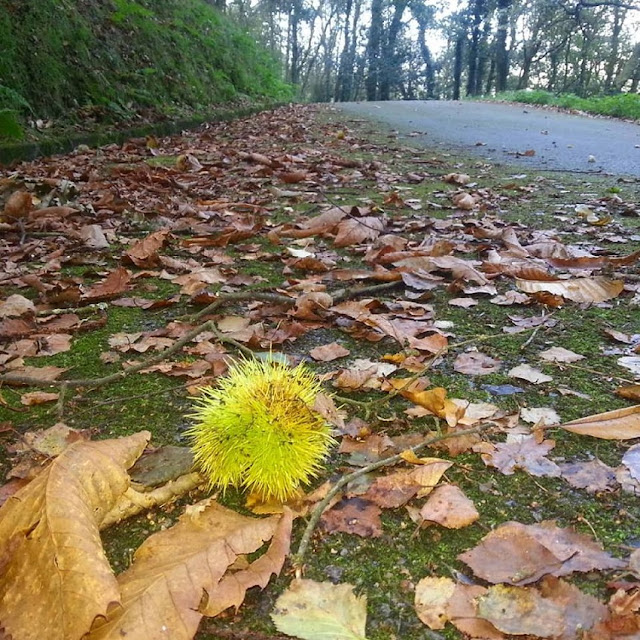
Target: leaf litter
(187, 255)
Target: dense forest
(381, 49)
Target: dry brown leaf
(475, 363)
(16, 305)
(328, 352)
(38, 397)
(521, 611)
(619, 424)
(353, 515)
(519, 554)
(528, 373)
(521, 451)
(396, 489)
(173, 571)
(58, 579)
(630, 392)
(18, 205)
(556, 609)
(463, 613)
(356, 230)
(432, 599)
(113, 285)
(144, 253)
(593, 476)
(597, 289)
(449, 507)
(559, 354)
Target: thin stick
(298, 558)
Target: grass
(386, 569)
(622, 105)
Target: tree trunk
(340, 93)
(457, 65)
(372, 80)
(502, 57)
(474, 48)
(618, 19)
(389, 58)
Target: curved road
(502, 132)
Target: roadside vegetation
(94, 64)
(623, 105)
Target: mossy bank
(106, 61)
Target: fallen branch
(316, 514)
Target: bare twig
(316, 514)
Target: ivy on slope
(115, 57)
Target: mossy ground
(387, 568)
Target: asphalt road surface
(503, 133)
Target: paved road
(560, 141)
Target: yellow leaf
(179, 574)
(57, 579)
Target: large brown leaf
(177, 574)
(356, 230)
(597, 289)
(620, 424)
(57, 579)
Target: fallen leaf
(559, 354)
(113, 285)
(144, 253)
(522, 452)
(544, 416)
(593, 476)
(16, 305)
(38, 397)
(353, 515)
(528, 373)
(449, 507)
(396, 489)
(619, 424)
(432, 600)
(52, 524)
(519, 554)
(356, 230)
(631, 460)
(476, 363)
(596, 289)
(329, 352)
(177, 571)
(632, 363)
(321, 611)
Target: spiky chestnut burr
(258, 429)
